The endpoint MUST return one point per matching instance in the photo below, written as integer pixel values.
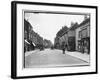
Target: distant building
(56, 42)
(47, 43)
(83, 36)
(64, 39)
(61, 37)
(39, 43)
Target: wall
(77, 37)
(71, 33)
(5, 40)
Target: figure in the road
(63, 47)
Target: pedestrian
(63, 50)
(63, 47)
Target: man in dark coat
(63, 47)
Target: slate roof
(74, 26)
(84, 22)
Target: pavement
(82, 56)
(31, 52)
(52, 58)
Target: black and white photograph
(53, 39)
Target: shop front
(84, 45)
(28, 46)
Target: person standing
(63, 47)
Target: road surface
(51, 58)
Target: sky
(47, 25)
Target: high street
(51, 58)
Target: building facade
(67, 37)
(71, 37)
(83, 37)
(61, 38)
(64, 40)
(47, 43)
(56, 42)
(27, 36)
(32, 40)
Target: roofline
(83, 24)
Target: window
(80, 34)
(84, 33)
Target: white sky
(47, 25)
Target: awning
(27, 41)
(33, 44)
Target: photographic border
(14, 38)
